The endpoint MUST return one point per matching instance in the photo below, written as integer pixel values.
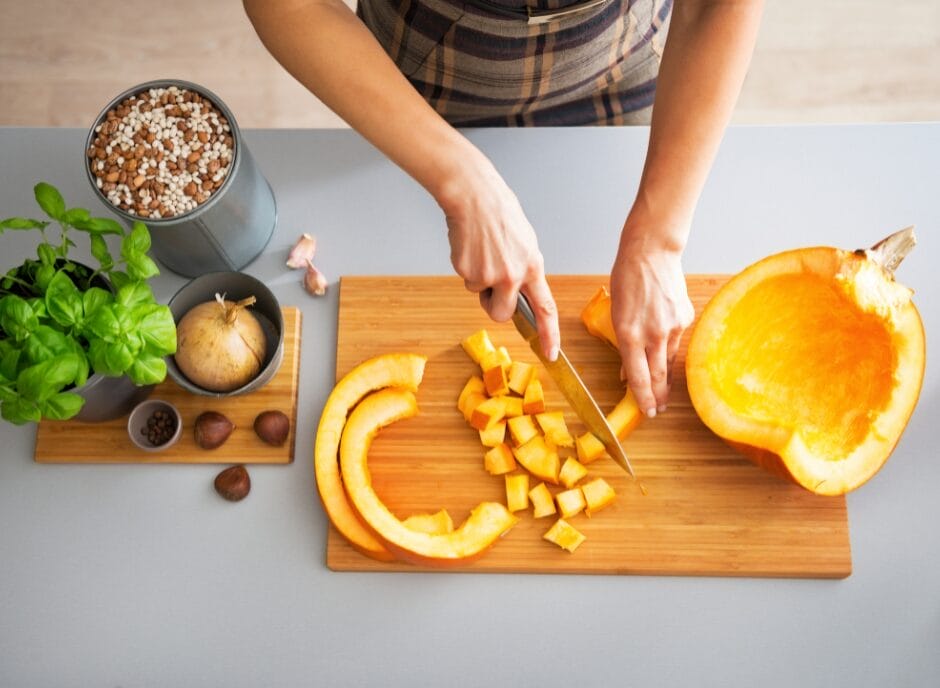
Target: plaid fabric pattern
(483, 69)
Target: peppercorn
(160, 428)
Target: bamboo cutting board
(707, 510)
(107, 442)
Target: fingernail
(661, 409)
(623, 375)
(553, 353)
(651, 413)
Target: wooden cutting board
(107, 442)
(708, 511)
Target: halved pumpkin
(810, 362)
(486, 523)
(388, 370)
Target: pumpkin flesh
(810, 362)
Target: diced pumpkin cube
(534, 399)
(493, 435)
(517, 491)
(488, 412)
(570, 502)
(597, 494)
(625, 416)
(589, 448)
(540, 460)
(513, 407)
(494, 373)
(520, 373)
(555, 429)
(432, 524)
(477, 345)
(571, 472)
(474, 385)
(522, 429)
(564, 535)
(543, 504)
(473, 400)
(499, 460)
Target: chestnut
(273, 427)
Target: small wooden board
(708, 511)
(107, 442)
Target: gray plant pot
(107, 398)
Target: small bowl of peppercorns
(154, 425)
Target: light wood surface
(707, 512)
(834, 61)
(108, 442)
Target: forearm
(328, 49)
(703, 67)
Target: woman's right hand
(494, 249)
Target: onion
(220, 344)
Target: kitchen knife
(571, 385)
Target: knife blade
(571, 385)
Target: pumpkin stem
(890, 251)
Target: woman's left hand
(651, 309)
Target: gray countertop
(139, 575)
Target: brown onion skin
(220, 345)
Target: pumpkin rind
(810, 363)
(487, 522)
(388, 370)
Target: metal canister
(228, 230)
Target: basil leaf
(46, 254)
(44, 275)
(17, 317)
(20, 411)
(134, 293)
(22, 223)
(158, 330)
(62, 406)
(73, 216)
(103, 324)
(140, 266)
(9, 361)
(100, 225)
(99, 249)
(110, 358)
(50, 200)
(137, 242)
(64, 300)
(46, 343)
(93, 299)
(118, 278)
(148, 370)
(39, 382)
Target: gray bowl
(235, 286)
(137, 424)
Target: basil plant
(62, 320)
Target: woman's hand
(651, 309)
(495, 250)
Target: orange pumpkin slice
(388, 370)
(810, 362)
(486, 523)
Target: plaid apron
(479, 68)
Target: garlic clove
(302, 251)
(314, 281)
